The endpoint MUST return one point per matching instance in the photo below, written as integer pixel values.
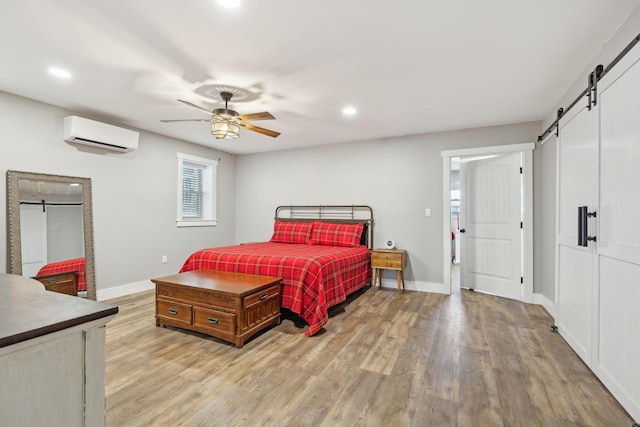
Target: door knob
(462, 230)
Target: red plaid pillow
(330, 234)
(291, 232)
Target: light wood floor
(385, 359)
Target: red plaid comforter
(76, 264)
(314, 277)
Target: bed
(322, 254)
(75, 264)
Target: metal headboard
(345, 214)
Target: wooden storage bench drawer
(214, 319)
(174, 311)
(63, 283)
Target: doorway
(509, 265)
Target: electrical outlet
(164, 259)
(427, 212)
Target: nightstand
(388, 259)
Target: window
(196, 191)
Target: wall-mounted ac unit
(90, 132)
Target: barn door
(33, 238)
(618, 245)
(577, 184)
(598, 250)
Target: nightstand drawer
(386, 260)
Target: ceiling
(409, 67)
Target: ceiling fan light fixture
(224, 129)
(226, 123)
(225, 113)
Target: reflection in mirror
(50, 223)
(51, 231)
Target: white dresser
(52, 356)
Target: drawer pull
(263, 296)
(213, 320)
(173, 311)
(52, 281)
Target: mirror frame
(14, 249)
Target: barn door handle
(583, 223)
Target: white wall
(134, 194)
(627, 31)
(397, 177)
(544, 220)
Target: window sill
(204, 223)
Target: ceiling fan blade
(258, 129)
(186, 120)
(256, 116)
(194, 106)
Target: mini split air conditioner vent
(89, 132)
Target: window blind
(192, 190)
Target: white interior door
(491, 215)
(33, 238)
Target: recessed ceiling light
(231, 4)
(59, 72)
(349, 111)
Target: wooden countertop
(28, 311)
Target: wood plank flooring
(384, 359)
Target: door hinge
(521, 170)
(521, 224)
(521, 279)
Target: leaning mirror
(50, 227)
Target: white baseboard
(417, 286)
(546, 303)
(123, 290)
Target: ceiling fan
(226, 123)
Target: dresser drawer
(386, 260)
(174, 311)
(261, 297)
(214, 320)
